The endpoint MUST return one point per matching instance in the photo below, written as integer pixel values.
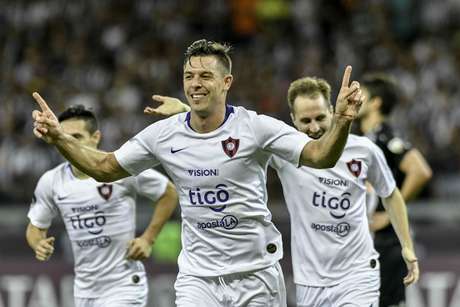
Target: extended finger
(159, 98)
(346, 76)
(41, 102)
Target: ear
(292, 117)
(376, 103)
(228, 80)
(96, 137)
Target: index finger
(41, 101)
(346, 76)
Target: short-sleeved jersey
(327, 207)
(394, 149)
(100, 221)
(221, 180)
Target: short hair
(308, 86)
(79, 111)
(383, 86)
(204, 47)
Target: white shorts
(359, 289)
(119, 297)
(260, 288)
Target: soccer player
(334, 261)
(410, 170)
(217, 155)
(100, 221)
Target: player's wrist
(343, 117)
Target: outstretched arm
(141, 247)
(42, 246)
(98, 164)
(396, 208)
(325, 152)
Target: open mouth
(197, 96)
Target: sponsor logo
(210, 197)
(341, 229)
(203, 172)
(230, 146)
(101, 242)
(338, 206)
(105, 190)
(227, 222)
(88, 208)
(173, 151)
(93, 224)
(354, 166)
(333, 182)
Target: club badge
(105, 191)
(230, 146)
(354, 167)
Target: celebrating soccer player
(335, 263)
(100, 221)
(217, 156)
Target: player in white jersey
(100, 221)
(217, 156)
(334, 261)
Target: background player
(100, 221)
(217, 156)
(410, 170)
(328, 210)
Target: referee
(411, 172)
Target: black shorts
(392, 271)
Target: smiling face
(205, 83)
(311, 115)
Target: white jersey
(221, 180)
(327, 207)
(100, 221)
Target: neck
(78, 174)
(371, 121)
(203, 123)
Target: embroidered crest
(105, 191)
(230, 146)
(354, 167)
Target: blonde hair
(308, 86)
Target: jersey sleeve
(276, 162)
(138, 154)
(151, 184)
(379, 173)
(278, 138)
(43, 209)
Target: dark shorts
(392, 271)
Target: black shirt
(394, 150)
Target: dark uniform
(392, 266)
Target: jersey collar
(229, 109)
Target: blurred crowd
(113, 55)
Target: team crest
(105, 191)
(354, 167)
(230, 146)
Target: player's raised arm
(168, 106)
(396, 208)
(324, 152)
(100, 165)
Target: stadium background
(113, 55)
